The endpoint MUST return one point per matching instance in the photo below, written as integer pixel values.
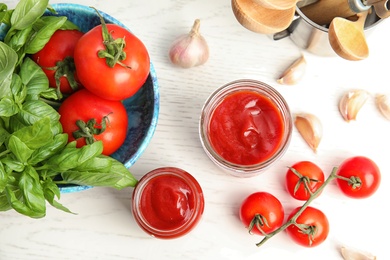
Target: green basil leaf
(17, 203)
(19, 91)
(3, 178)
(8, 60)
(51, 9)
(51, 94)
(13, 164)
(32, 190)
(51, 190)
(55, 145)
(96, 164)
(127, 179)
(5, 17)
(3, 10)
(34, 110)
(71, 157)
(36, 135)
(4, 204)
(8, 107)
(41, 37)
(4, 135)
(19, 39)
(68, 25)
(117, 177)
(19, 149)
(33, 77)
(15, 123)
(27, 12)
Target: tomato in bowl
(142, 108)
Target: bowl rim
(156, 96)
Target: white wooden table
(104, 227)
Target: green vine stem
(292, 221)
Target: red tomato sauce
(246, 128)
(167, 202)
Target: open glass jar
(245, 126)
(167, 202)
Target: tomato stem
(113, 52)
(293, 220)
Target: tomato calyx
(258, 221)
(303, 179)
(353, 181)
(113, 52)
(90, 129)
(309, 230)
(64, 68)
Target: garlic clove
(383, 105)
(189, 50)
(352, 254)
(294, 73)
(351, 103)
(310, 128)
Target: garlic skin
(383, 105)
(352, 254)
(351, 103)
(294, 73)
(310, 128)
(189, 50)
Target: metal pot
(312, 37)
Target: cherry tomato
(261, 210)
(363, 174)
(56, 60)
(315, 227)
(301, 174)
(103, 119)
(120, 81)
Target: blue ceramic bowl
(142, 108)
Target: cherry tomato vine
(357, 177)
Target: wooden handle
(322, 12)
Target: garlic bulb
(351, 103)
(189, 50)
(383, 105)
(310, 128)
(294, 72)
(351, 254)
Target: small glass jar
(167, 202)
(254, 114)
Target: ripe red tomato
(316, 227)
(83, 105)
(56, 60)
(366, 176)
(117, 82)
(306, 172)
(261, 209)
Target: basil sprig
(35, 156)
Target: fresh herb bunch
(35, 156)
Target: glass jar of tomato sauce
(167, 202)
(245, 127)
